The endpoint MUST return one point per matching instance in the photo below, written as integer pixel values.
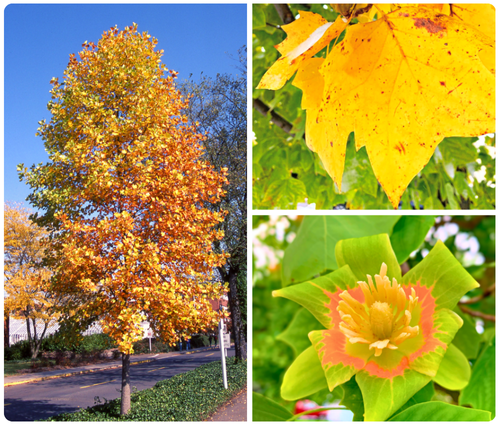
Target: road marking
(7, 404)
(93, 385)
(209, 354)
(156, 369)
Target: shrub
(199, 341)
(18, 351)
(191, 396)
(89, 344)
(157, 346)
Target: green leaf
(304, 377)
(480, 393)
(353, 399)
(265, 409)
(366, 255)
(437, 411)
(442, 270)
(450, 196)
(285, 193)
(258, 17)
(454, 370)
(458, 150)
(467, 338)
(295, 335)
(313, 250)
(311, 294)
(409, 233)
(383, 397)
(425, 394)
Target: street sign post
(150, 335)
(223, 357)
(227, 342)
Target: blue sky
(38, 40)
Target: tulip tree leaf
(467, 338)
(402, 82)
(353, 399)
(265, 409)
(437, 411)
(409, 233)
(304, 377)
(313, 250)
(480, 393)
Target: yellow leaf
(401, 83)
(305, 37)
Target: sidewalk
(53, 374)
(234, 410)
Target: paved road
(39, 400)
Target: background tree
(126, 193)
(460, 174)
(26, 280)
(219, 105)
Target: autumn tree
(219, 105)
(126, 193)
(374, 105)
(26, 280)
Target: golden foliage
(402, 83)
(131, 194)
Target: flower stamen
(383, 320)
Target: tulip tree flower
(389, 331)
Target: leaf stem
(307, 412)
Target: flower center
(383, 320)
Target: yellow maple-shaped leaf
(305, 37)
(403, 83)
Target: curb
(84, 372)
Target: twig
(285, 13)
(474, 313)
(477, 298)
(275, 118)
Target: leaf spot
(429, 25)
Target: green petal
(304, 377)
(438, 411)
(447, 324)
(366, 255)
(304, 259)
(312, 296)
(295, 335)
(383, 396)
(454, 370)
(441, 269)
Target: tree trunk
(125, 402)
(234, 304)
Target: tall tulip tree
(126, 194)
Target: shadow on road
(36, 409)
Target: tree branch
(285, 13)
(479, 314)
(275, 118)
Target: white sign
(226, 338)
(149, 333)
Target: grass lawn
(12, 367)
